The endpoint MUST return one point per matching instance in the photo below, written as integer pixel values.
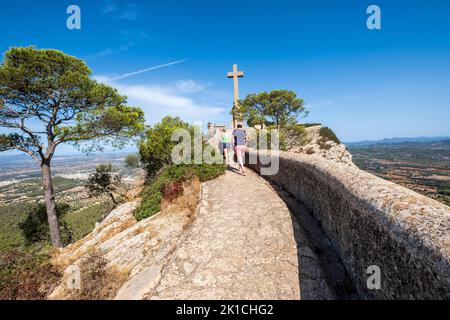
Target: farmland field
(422, 167)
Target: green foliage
(309, 125)
(289, 137)
(206, 172)
(153, 194)
(26, 275)
(104, 181)
(279, 108)
(18, 219)
(292, 136)
(56, 90)
(156, 148)
(10, 234)
(132, 161)
(35, 227)
(326, 134)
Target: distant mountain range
(418, 142)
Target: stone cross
(235, 75)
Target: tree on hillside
(47, 99)
(278, 108)
(156, 148)
(132, 161)
(104, 181)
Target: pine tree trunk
(113, 199)
(51, 206)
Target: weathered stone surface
(375, 222)
(334, 152)
(132, 247)
(241, 246)
(138, 286)
(241, 243)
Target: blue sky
(363, 84)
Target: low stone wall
(372, 221)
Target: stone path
(242, 245)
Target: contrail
(127, 75)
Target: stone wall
(372, 221)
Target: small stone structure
(373, 222)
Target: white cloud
(119, 10)
(158, 101)
(109, 8)
(189, 86)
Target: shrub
(132, 161)
(98, 282)
(172, 190)
(309, 125)
(26, 275)
(326, 134)
(156, 148)
(289, 137)
(175, 174)
(206, 172)
(293, 136)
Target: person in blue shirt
(240, 145)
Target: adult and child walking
(237, 141)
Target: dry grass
(26, 276)
(98, 281)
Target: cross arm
(235, 74)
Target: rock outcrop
(131, 247)
(320, 146)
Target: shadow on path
(306, 226)
(233, 170)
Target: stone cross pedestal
(235, 75)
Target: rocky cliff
(135, 250)
(317, 144)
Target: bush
(26, 275)
(172, 176)
(98, 282)
(132, 161)
(206, 172)
(172, 190)
(293, 136)
(309, 125)
(289, 137)
(156, 148)
(326, 134)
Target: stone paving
(242, 245)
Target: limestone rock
(133, 247)
(328, 150)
